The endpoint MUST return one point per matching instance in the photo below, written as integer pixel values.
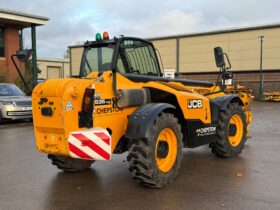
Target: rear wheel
(231, 133)
(70, 164)
(155, 161)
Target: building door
(54, 72)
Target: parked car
(39, 81)
(14, 104)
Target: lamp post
(261, 85)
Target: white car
(14, 104)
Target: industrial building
(192, 55)
(53, 68)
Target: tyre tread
(139, 158)
(221, 147)
(70, 164)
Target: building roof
(60, 60)
(221, 31)
(205, 33)
(24, 20)
(76, 46)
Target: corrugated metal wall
(194, 53)
(167, 50)
(243, 49)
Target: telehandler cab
(121, 103)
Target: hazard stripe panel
(93, 144)
(104, 137)
(78, 152)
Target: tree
(27, 77)
(66, 54)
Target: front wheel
(231, 132)
(155, 161)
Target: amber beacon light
(105, 35)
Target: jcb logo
(194, 104)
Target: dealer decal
(206, 131)
(108, 110)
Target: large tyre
(155, 161)
(231, 132)
(70, 164)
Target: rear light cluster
(88, 100)
(85, 116)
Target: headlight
(7, 103)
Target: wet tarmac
(251, 181)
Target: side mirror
(219, 57)
(23, 55)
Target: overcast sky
(74, 21)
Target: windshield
(97, 59)
(10, 90)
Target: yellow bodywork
(52, 132)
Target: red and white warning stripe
(93, 144)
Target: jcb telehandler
(121, 102)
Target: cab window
(139, 57)
(97, 59)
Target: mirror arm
(22, 78)
(228, 61)
(114, 72)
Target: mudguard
(143, 118)
(223, 101)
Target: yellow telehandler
(121, 103)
